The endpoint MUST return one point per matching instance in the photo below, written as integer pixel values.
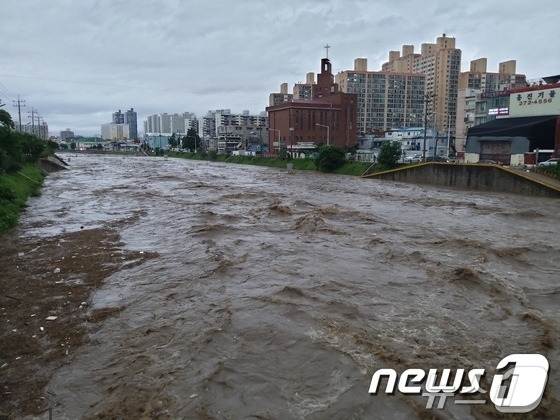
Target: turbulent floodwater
(277, 294)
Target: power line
(4, 91)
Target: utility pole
(39, 130)
(18, 106)
(427, 99)
(32, 121)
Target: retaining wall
(470, 176)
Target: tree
(6, 119)
(10, 150)
(330, 158)
(283, 153)
(389, 154)
(53, 145)
(32, 147)
(73, 145)
(191, 141)
(173, 142)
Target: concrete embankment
(52, 164)
(481, 177)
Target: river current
(277, 294)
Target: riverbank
(349, 168)
(15, 188)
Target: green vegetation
(353, 168)
(552, 169)
(330, 158)
(389, 154)
(191, 141)
(308, 164)
(19, 175)
(15, 187)
(16, 148)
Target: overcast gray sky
(77, 62)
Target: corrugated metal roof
(510, 126)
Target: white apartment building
(466, 105)
(226, 126)
(168, 124)
(40, 130)
(114, 131)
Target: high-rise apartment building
(168, 124)
(483, 96)
(118, 117)
(441, 63)
(225, 130)
(466, 106)
(131, 119)
(279, 97)
(40, 130)
(304, 91)
(115, 131)
(479, 78)
(386, 100)
(67, 135)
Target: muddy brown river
(278, 294)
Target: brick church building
(328, 118)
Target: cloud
(195, 56)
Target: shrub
(389, 154)
(330, 158)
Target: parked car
(413, 159)
(549, 162)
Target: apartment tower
(479, 78)
(304, 90)
(441, 63)
(386, 99)
(279, 97)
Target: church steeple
(325, 80)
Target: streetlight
(327, 127)
(274, 129)
(292, 141)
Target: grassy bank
(15, 188)
(349, 168)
